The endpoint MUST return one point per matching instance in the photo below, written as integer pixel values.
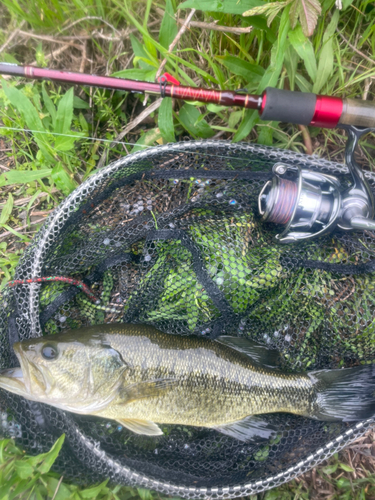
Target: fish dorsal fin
(249, 429)
(258, 353)
(147, 389)
(144, 427)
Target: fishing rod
(307, 203)
(301, 108)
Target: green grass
(72, 129)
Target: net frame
(28, 321)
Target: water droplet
(232, 202)
(140, 208)
(219, 195)
(156, 451)
(119, 428)
(117, 244)
(288, 338)
(186, 446)
(176, 181)
(147, 258)
(276, 333)
(219, 281)
(208, 181)
(266, 338)
(194, 199)
(62, 319)
(119, 300)
(197, 181)
(241, 327)
(108, 425)
(201, 190)
(139, 197)
(149, 207)
(97, 302)
(107, 241)
(172, 225)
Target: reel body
(310, 204)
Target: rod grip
(287, 106)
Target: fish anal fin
(257, 352)
(249, 429)
(147, 389)
(144, 427)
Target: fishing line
(177, 150)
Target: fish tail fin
(345, 395)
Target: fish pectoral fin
(147, 389)
(255, 351)
(144, 427)
(249, 429)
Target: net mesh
(171, 237)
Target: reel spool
(310, 204)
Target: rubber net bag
(171, 237)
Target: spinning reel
(310, 204)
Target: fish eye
(49, 352)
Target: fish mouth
(12, 380)
(16, 380)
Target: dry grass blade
(11, 37)
(217, 27)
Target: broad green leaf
(165, 121)
(189, 116)
(305, 50)
(146, 75)
(7, 210)
(291, 62)
(168, 28)
(66, 142)
(50, 456)
(51, 108)
(140, 51)
(346, 468)
(145, 494)
(79, 103)
(250, 119)
(307, 11)
(265, 135)
(302, 83)
(225, 6)
(325, 64)
(150, 137)
(250, 72)
(346, 4)
(64, 113)
(62, 180)
(63, 493)
(23, 177)
(30, 115)
(234, 118)
(270, 77)
(23, 468)
(330, 469)
(93, 492)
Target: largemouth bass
(141, 377)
